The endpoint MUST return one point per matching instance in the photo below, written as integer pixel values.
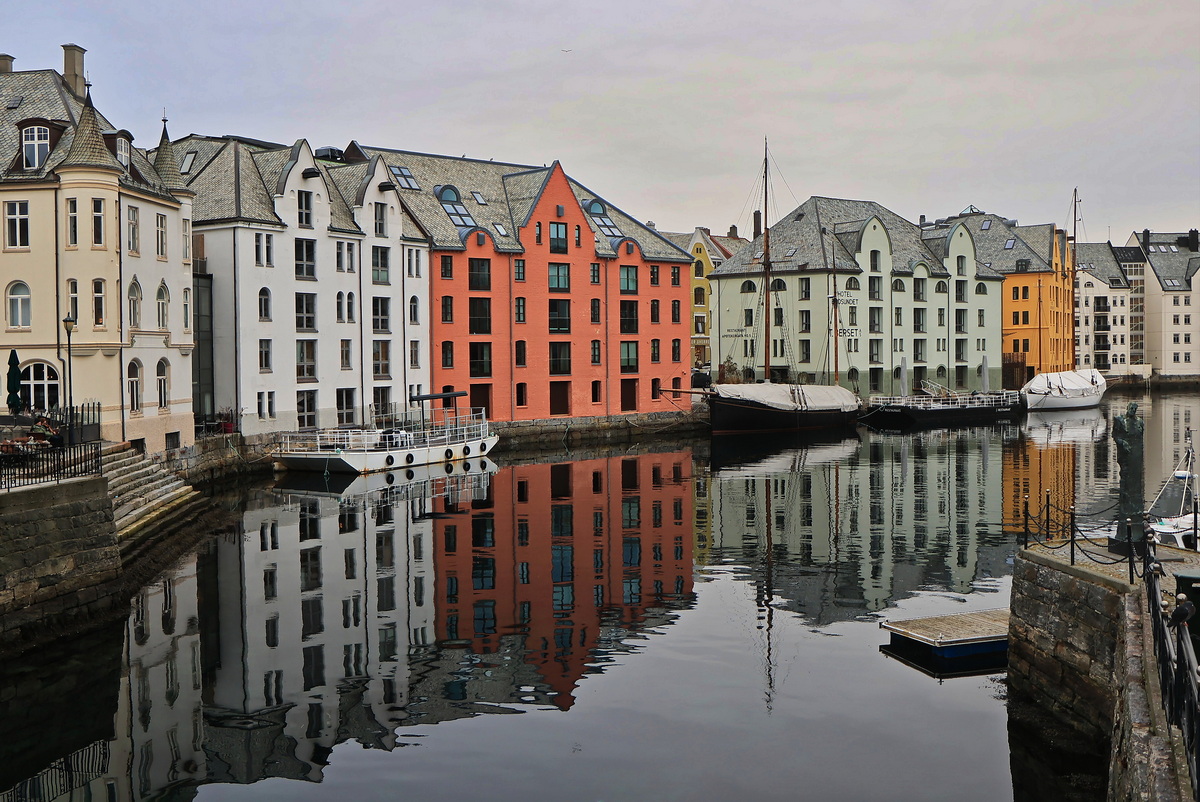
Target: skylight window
(986, 225)
(501, 229)
(1009, 244)
(603, 222)
(758, 255)
(479, 199)
(1174, 249)
(404, 178)
(15, 101)
(791, 252)
(1171, 282)
(188, 158)
(452, 203)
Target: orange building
(1039, 292)
(546, 301)
(615, 548)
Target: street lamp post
(69, 325)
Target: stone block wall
(1066, 632)
(59, 558)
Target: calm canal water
(659, 624)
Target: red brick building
(546, 301)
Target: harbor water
(677, 621)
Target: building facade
(859, 297)
(98, 233)
(1171, 294)
(708, 252)
(1103, 312)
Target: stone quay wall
(1081, 650)
(59, 558)
(558, 432)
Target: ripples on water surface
(672, 624)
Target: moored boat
(939, 406)
(443, 437)
(1068, 389)
(768, 407)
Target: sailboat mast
(766, 269)
(1074, 269)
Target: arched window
(162, 380)
(896, 373)
(852, 283)
(1087, 284)
(162, 304)
(778, 285)
(941, 287)
(748, 286)
(941, 371)
(349, 307)
(135, 305)
(981, 289)
(39, 386)
(898, 285)
(852, 375)
(962, 265)
(133, 384)
(187, 309)
(35, 146)
(123, 151)
(341, 307)
(698, 296)
(264, 304)
(20, 306)
(414, 310)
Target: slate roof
(43, 94)
(1098, 259)
(509, 192)
(230, 187)
(1173, 262)
(990, 242)
(797, 244)
(1128, 254)
(719, 248)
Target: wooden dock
(964, 633)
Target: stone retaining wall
(59, 558)
(1081, 650)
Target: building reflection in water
(345, 612)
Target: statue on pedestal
(1127, 431)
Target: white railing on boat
(1004, 398)
(447, 430)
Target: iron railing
(446, 430)
(1056, 528)
(24, 464)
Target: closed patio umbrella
(14, 383)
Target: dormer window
(452, 203)
(123, 151)
(603, 222)
(35, 141)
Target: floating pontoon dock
(944, 646)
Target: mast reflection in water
(334, 624)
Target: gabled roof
(797, 242)
(993, 233)
(507, 194)
(230, 187)
(1098, 259)
(43, 95)
(1173, 262)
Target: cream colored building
(95, 232)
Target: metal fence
(1056, 528)
(23, 464)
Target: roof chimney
(922, 220)
(73, 75)
(757, 224)
(1146, 240)
(733, 232)
(650, 224)
(5, 62)
(1193, 240)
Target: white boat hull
(383, 458)
(1072, 389)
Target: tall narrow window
(16, 220)
(264, 304)
(72, 222)
(98, 221)
(135, 306)
(133, 379)
(98, 306)
(414, 311)
(160, 236)
(20, 308)
(187, 240)
(304, 209)
(187, 309)
(162, 378)
(380, 264)
(35, 146)
(73, 299)
(381, 219)
(306, 258)
(161, 306)
(134, 238)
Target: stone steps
(141, 491)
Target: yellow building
(1039, 297)
(708, 252)
(98, 234)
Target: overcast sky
(661, 106)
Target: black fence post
(1071, 523)
(1049, 532)
(1025, 536)
(1129, 542)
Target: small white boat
(448, 437)
(1069, 389)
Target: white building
(319, 285)
(1172, 302)
(97, 232)
(1103, 310)
(859, 296)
